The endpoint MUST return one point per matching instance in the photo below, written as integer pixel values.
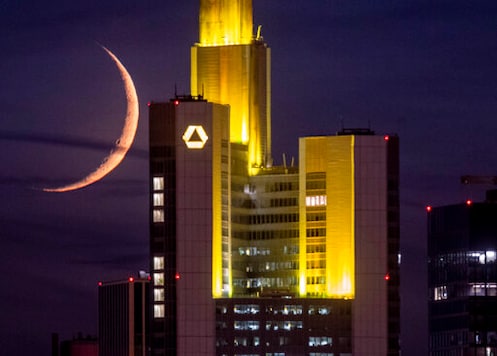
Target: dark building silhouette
(123, 317)
(77, 346)
(462, 278)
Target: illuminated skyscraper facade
(248, 258)
(231, 66)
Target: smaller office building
(122, 317)
(462, 278)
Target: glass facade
(462, 279)
(278, 326)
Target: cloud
(69, 141)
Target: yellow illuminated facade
(225, 22)
(231, 66)
(327, 217)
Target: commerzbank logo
(195, 137)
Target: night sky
(425, 70)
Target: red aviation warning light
(429, 208)
(469, 202)
(386, 137)
(131, 279)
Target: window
(292, 310)
(159, 294)
(158, 262)
(440, 293)
(319, 310)
(285, 325)
(221, 309)
(246, 309)
(158, 183)
(240, 341)
(315, 341)
(158, 199)
(246, 325)
(159, 279)
(158, 311)
(318, 200)
(158, 215)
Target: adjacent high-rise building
(123, 317)
(189, 173)
(462, 278)
(250, 258)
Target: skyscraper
(230, 65)
(250, 258)
(189, 170)
(462, 278)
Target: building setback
(250, 258)
(462, 278)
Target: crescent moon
(123, 143)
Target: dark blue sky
(425, 70)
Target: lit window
(159, 279)
(158, 215)
(317, 200)
(158, 199)
(440, 293)
(241, 341)
(491, 256)
(158, 262)
(246, 309)
(246, 325)
(158, 183)
(320, 341)
(158, 311)
(159, 294)
(319, 310)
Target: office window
(440, 293)
(319, 310)
(240, 341)
(246, 309)
(158, 215)
(315, 341)
(158, 262)
(159, 311)
(246, 325)
(159, 279)
(158, 183)
(159, 294)
(158, 199)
